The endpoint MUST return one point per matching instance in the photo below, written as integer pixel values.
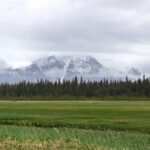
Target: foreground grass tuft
(78, 138)
(9, 144)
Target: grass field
(95, 125)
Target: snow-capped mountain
(65, 68)
(134, 72)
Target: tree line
(76, 88)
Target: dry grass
(9, 144)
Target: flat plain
(94, 124)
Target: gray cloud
(112, 30)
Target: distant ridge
(53, 68)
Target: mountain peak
(52, 58)
(134, 71)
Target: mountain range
(65, 68)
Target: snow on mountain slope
(86, 67)
(51, 67)
(65, 67)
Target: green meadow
(93, 124)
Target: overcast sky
(117, 32)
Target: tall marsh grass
(75, 139)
